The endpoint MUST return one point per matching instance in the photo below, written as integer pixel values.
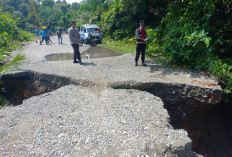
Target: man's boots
(144, 64)
(80, 62)
(136, 63)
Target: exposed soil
(210, 131)
(28, 84)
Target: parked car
(90, 34)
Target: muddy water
(91, 53)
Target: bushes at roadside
(222, 68)
(10, 33)
(186, 37)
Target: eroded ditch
(24, 85)
(208, 125)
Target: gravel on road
(75, 121)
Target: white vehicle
(90, 34)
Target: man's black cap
(142, 22)
(73, 22)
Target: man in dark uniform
(74, 37)
(141, 36)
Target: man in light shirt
(74, 37)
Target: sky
(71, 1)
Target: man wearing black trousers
(141, 35)
(74, 37)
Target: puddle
(91, 53)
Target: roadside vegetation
(51, 13)
(10, 37)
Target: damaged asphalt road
(107, 107)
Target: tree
(76, 6)
(48, 3)
(24, 9)
(65, 8)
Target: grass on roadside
(124, 46)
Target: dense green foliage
(9, 32)
(51, 13)
(117, 18)
(198, 34)
(192, 34)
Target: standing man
(37, 34)
(44, 35)
(74, 37)
(141, 35)
(59, 35)
(47, 34)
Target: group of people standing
(74, 36)
(141, 38)
(45, 34)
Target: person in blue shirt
(37, 34)
(59, 35)
(48, 35)
(44, 36)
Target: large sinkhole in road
(210, 130)
(91, 53)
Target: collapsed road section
(124, 118)
(75, 120)
(107, 107)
